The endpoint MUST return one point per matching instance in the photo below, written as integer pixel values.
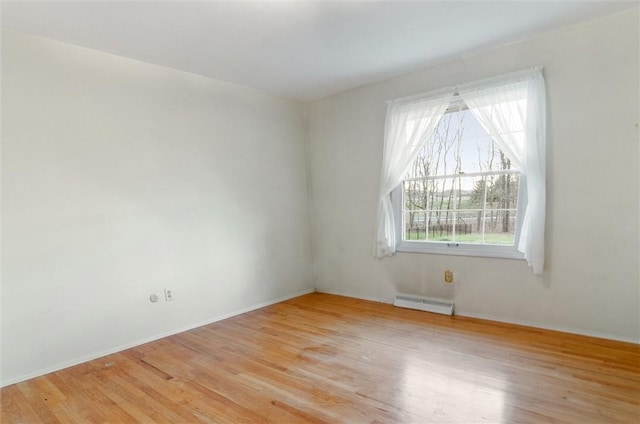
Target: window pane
(444, 147)
(494, 159)
(440, 226)
(414, 225)
(444, 194)
(476, 146)
(502, 191)
(457, 193)
(499, 226)
(471, 195)
(415, 195)
(477, 193)
(472, 128)
(468, 227)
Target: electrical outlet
(168, 295)
(448, 276)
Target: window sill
(503, 252)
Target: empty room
(320, 212)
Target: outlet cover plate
(168, 295)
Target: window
(463, 171)
(460, 194)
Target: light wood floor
(329, 359)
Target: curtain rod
(453, 90)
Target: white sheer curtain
(409, 125)
(512, 109)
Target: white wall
(120, 179)
(591, 279)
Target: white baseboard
(120, 348)
(581, 332)
(354, 296)
(559, 328)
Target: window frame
(458, 249)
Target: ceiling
(297, 49)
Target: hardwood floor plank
(323, 359)
(16, 408)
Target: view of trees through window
(461, 188)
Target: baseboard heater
(428, 304)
